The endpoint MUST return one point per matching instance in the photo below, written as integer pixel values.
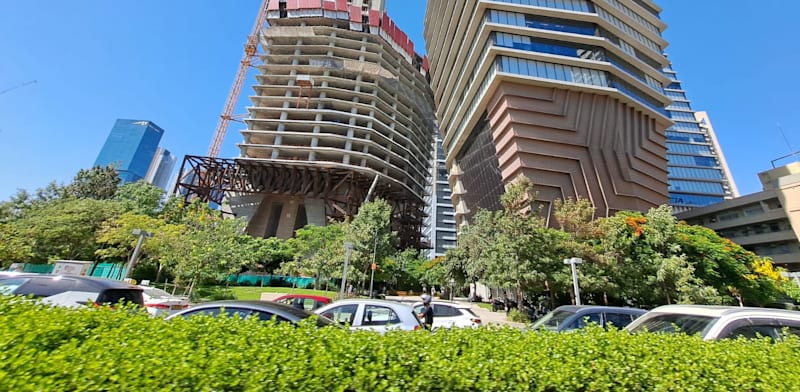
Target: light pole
(142, 234)
(373, 266)
(573, 262)
(452, 287)
(348, 247)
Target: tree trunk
(520, 296)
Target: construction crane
(17, 86)
(250, 49)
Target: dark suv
(70, 291)
(569, 317)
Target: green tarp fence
(99, 270)
(270, 280)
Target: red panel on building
(425, 65)
(355, 14)
(329, 5)
(411, 47)
(292, 4)
(374, 18)
(273, 5)
(341, 5)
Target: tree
(64, 229)
(370, 232)
(318, 251)
(140, 198)
(96, 183)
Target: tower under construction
(342, 112)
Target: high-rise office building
(566, 92)
(160, 171)
(130, 147)
(698, 172)
(440, 224)
(342, 113)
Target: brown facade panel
(578, 143)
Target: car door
(378, 318)
(444, 316)
(343, 314)
(582, 320)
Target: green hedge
(49, 349)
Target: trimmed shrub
(55, 349)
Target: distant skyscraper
(130, 147)
(569, 93)
(161, 167)
(698, 173)
(440, 224)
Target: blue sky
(173, 62)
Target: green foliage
(63, 229)
(140, 198)
(103, 350)
(96, 183)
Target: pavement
(487, 316)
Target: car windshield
(552, 320)
(675, 323)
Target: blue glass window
(693, 200)
(693, 172)
(682, 116)
(684, 126)
(689, 160)
(571, 5)
(686, 137)
(694, 149)
(696, 186)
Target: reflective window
(696, 186)
(571, 5)
(344, 314)
(692, 160)
(693, 200)
(676, 95)
(696, 149)
(552, 71)
(685, 126)
(693, 172)
(618, 320)
(686, 137)
(379, 315)
(682, 116)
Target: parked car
(372, 315)
(161, 303)
(719, 322)
(450, 314)
(571, 317)
(264, 310)
(303, 301)
(71, 291)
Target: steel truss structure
(343, 190)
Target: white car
(371, 315)
(161, 303)
(450, 315)
(718, 322)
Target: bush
(518, 317)
(55, 349)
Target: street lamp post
(373, 266)
(452, 287)
(135, 256)
(573, 262)
(348, 247)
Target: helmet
(426, 299)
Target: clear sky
(173, 62)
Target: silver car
(719, 322)
(372, 315)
